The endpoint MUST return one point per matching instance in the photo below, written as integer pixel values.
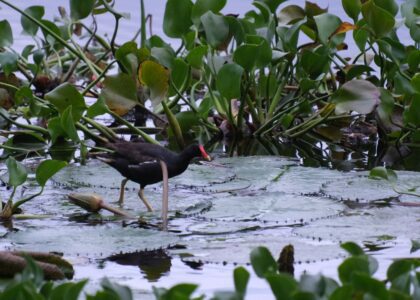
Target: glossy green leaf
(164, 55)
(29, 27)
(216, 28)
(202, 6)
(181, 291)
(17, 172)
(66, 95)
(67, 123)
(290, 14)
(55, 129)
(383, 173)
(283, 286)
(48, 37)
(289, 36)
(177, 18)
(415, 82)
(68, 290)
(412, 112)
(228, 81)
(314, 63)
(352, 8)
(390, 6)
(196, 55)
(180, 74)
(241, 278)
(6, 35)
(119, 93)
(156, 78)
(399, 274)
(127, 57)
(370, 286)
(356, 71)
(98, 108)
(272, 4)
(47, 169)
(255, 47)
(9, 62)
(352, 248)
(380, 20)
(356, 95)
(351, 266)
(326, 25)
(263, 262)
(80, 9)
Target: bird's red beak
(204, 153)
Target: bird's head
(204, 153)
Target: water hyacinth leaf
(177, 18)
(290, 14)
(383, 173)
(67, 290)
(389, 5)
(47, 169)
(356, 95)
(180, 74)
(351, 266)
(29, 27)
(412, 113)
(263, 262)
(352, 8)
(52, 27)
(399, 274)
(80, 9)
(67, 123)
(164, 55)
(195, 56)
(119, 93)
(370, 286)
(243, 53)
(98, 108)
(126, 56)
(415, 82)
(352, 248)
(326, 24)
(17, 172)
(8, 62)
(6, 35)
(378, 19)
(202, 6)
(121, 291)
(216, 28)
(55, 129)
(65, 96)
(356, 71)
(241, 278)
(283, 286)
(156, 78)
(314, 64)
(228, 81)
(272, 4)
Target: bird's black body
(139, 161)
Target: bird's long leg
(165, 193)
(141, 195)
(122, 189)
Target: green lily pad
(89, 240)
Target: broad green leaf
(272, 4)
(164, 55)
(195, 56)
(29, 27)
(255, 47)
(370, 286)
(120, 93)
(357, 70)
(415, 82)
(47, 169)
(412, 112)
(228, 81)
(8, 62)
(383, 173)
(216, 28)
(180, 74)
(389, 5)
(177, 18)
(283, 286)
(202, 6)
(398, 274)
(48, 37)
(67, 123)
(66, 95)
(263, 262)
(98, 108)
(352, 8)
(181, 291)
(6, 35)
(123, 292)
(68, 290)
(290, 14)
(55, 129)
(352, 248)
(127, 57)
(17, 172)
(380, 20)
(356, 95)
(351, 266)
(80, 9)
(241, 278)
(315, 64)
(156, 78)
(326, 25)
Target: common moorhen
(144, 163)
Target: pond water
(219, 212)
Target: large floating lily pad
(90, 241)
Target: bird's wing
(135, 152)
